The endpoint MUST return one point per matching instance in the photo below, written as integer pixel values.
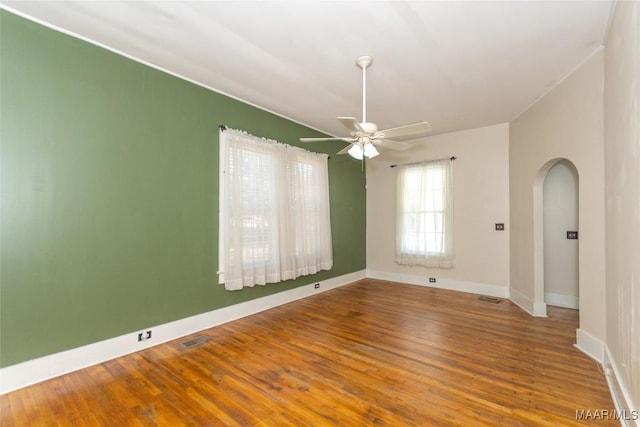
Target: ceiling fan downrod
(363, 62)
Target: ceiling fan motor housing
(369, 128)
(364, 61)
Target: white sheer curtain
(424, 214)
(274, 211)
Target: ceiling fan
(365, 136)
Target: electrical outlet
(499, 226)
(432, 280)
(572, 235)
(143, 336)
(316, 286)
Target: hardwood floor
(369, 353)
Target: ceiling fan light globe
(356, 151)
(370, 151)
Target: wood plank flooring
(369, 353)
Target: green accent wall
(109, 192)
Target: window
(424, 214)
(274, 211)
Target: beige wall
(481, 199)
(622, 169)
(567, 123)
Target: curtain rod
(423, 161)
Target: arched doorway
(565, 172)
(560, 233)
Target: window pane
(423, 210)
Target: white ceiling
(458, 65)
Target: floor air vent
(195, 341)
(489, 299)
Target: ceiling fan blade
(345, 149)
(393, 145)
(351, 123)
(346, 139)
(403, 133)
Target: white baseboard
(534, 308)
(628, 412)
(53, 365)
(441, 283)
(590, 345)
(561, 300)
